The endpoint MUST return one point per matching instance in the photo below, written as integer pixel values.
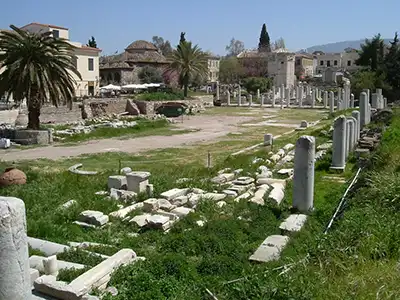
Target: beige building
(340, 62)
(279, 64)
(87, 59)
(304, 65)
(213, 69)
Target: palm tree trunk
(185, 85)
(34, 113)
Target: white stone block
(270, 249)
(243, 181)
(96, 218)
(182, 211)
(165, 205)
(50, 265)
(179, 201)
(122, 213)
(117, 182)
(277, 195)
(140, 220)
(173, 193)
(214, 196)
(293, 223)
(150, 205)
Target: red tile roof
(45, 25)
(84, 47)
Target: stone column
(339, 143)
(228, 96)
(325, 99)
(262, 100)
(268, 139)
(352, 100)
(301, 97)
(384, 102)
(349, 136)
(282, 97)
(287, 93)
(297, 94)
(340, 105)
(354, 135)
(312, 98)
(374, 100)
(356, 116)
(331, 102)
(240, 96)
(217, 92)
(368, 94)
(316, 93)
(234, 95)
(303, 178)
(364, 110)
(258, 94)
(15, 281)
(273, 96)
(250, 100)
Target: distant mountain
(339, 46)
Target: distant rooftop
(45, 25)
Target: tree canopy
(252, 84)
(234, 48)
(150, 74)
(38, 68)
(264, 44)
(230, 70)
(163, 45)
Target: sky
(210, 24)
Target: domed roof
(141, 45)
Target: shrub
(159, 96)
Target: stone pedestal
(339, 143)
(137, 181)
(364, 110)
(15, 282)
(303, 179)
(268, 139)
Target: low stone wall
(8, 116)
(27, 137)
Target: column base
(337, 169)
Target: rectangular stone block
(270, 249)
(117, 182)
(174, 193)
(293, 223)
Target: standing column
(240, 96)
(339, 94)
(282, 96)
(349, 137)
(368, 94)
(384, 102)
(250, 100)
(297, 94)
(312, 98)
(364, 109)
(217, 88)
(273, 96)
(352, 100)
(15, 281)
(301, 97)
(356, 116)
(374, 100)
(353, 132)
(262, 100)
(258, 94)
(303, 178)
(287, 93)
(331, 102)
(228, 96)
(325, 99)
(339, 143)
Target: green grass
(143, 128)
(160, 96)
(357, 259)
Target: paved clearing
(211, 127)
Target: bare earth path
(211, 127)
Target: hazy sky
(211, 24)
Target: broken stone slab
(286, 159)
(84, 283)
(237, 172)
(50, 265)
(230, 193)
(171, 216)
(34, 274)
(125, 170)
(270, 249)
(122, 213)
(262, 169)
(46, 247)
(288, 147)
(48, 285)
(243, 181)
(122, 195)
(36, 262)
(68, 204)
(274, 158)
(197, 191)
(101, 193)
(117, 182)
(277, 194)
(271, 181)
(226, 170)
(240, 188)
(93, 217)
(281, 153)
(165, 205)
(182, 211)
(193, 199)
(174, 193)
(214, 196)
(140, 220)
(293, 223)
(137, 181)
(246, 195)
(288, 172)
(74, 169)
(221, 204)
(158, 222)
(179, 201)
(267, 174)
(151, 204)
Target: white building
(213, 69)
(87, 59)
(345, 61)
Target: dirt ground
(214, 124)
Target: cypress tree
(264, 45)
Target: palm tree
(38, 68)
(189, 61)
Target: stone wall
(8, 116)
(59, 115)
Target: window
(321, 63)
(335, 62)
(328, 63)
(91, 64)
(56, 33)
(349, 63)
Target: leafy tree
(372, 53)
(164, 46)
(265, 44)
(150, 74)
(230, 70)
(38, 68)
(365, 79)
(279, 44)
(92, 42)
(255, 66)
(235, 47)
(188, 61)
(252, 84)
(392, 64)
(198, 80)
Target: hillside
(338, 46)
